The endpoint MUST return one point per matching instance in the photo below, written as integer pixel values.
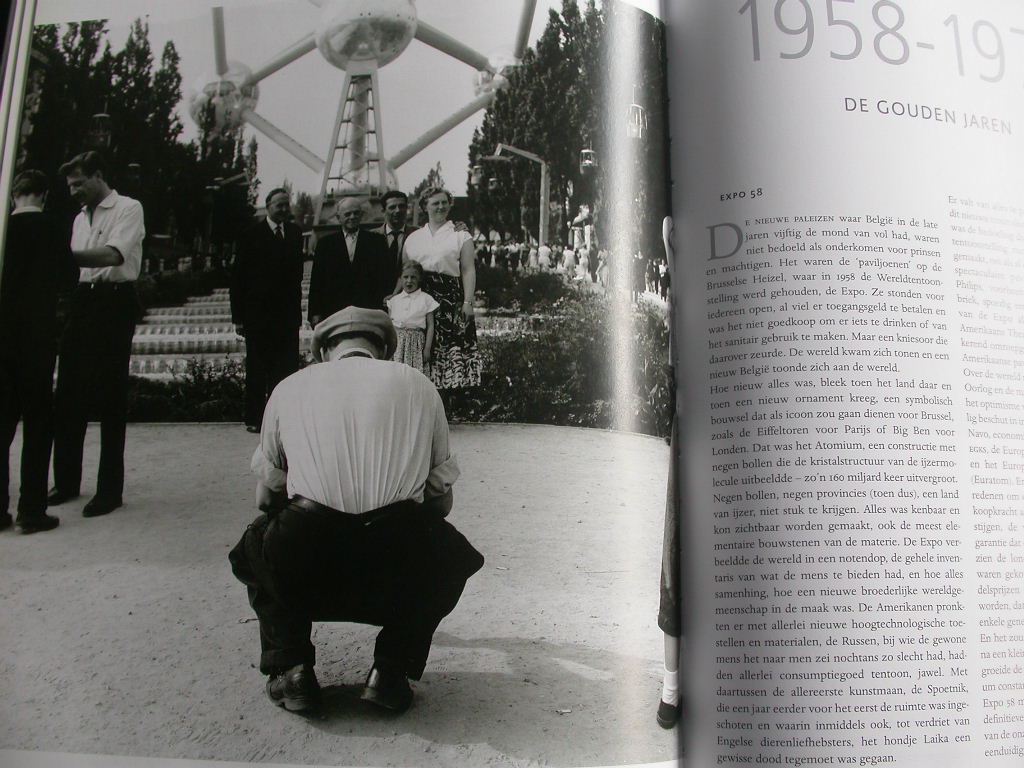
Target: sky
(417, 90)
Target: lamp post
(545, 184)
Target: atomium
(217, 103)
(365, 31)
(360, 37)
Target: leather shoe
(37, 523)
(59, 496)
(295, 689)
(101, 505)
(668, 714)
(5, 521)
(387, 689)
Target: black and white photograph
(337, 387)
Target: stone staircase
(167, 338)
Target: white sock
(670, 688)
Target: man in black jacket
(350, 267)
(266, 299)
(395, 229)
(37, 263)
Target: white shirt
(437, 251)
(116, 222)
(356, 434)
(410, 310)
(351, 240)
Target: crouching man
(355, 481)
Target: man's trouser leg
(283, 356)
(284, 625)
(10, 410)
(257, 357)
(32, 381)
(74, 385)
(430, 562)
(116, 354)
(402, 573)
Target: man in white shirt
(355, 480)
(106, 242)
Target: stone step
(207, 309)
(198, 327)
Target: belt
(122, 285)
(361, 518)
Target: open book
(850, 231)
(849, 342)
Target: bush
(565, 370)
(170, 289)
(519, 292)
(207, 391)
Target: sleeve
(127, 230)
(269, 462)
(429, 303)
(444, 469)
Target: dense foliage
(528, 292)
(562, 369)
(550, 108)
(76, 77)
(207, 391)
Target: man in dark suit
(394, 228)
(350, 268)
(37, 263)
(266, 302)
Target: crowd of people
(582, 264)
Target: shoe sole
(105, 511)
(26, 530)
(303, 704)
(383, 704)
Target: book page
(851, 229)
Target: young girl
(412, 312)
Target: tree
(80, 77)
(551, 107)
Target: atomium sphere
(365, 30)
(218, 102)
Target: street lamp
(545, 184)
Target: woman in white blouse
(449, 275)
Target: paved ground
(127, 635)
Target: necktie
(279, 232)
(393, 248)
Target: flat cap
(354, 320)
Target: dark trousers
(399, 568)
(92, 381)
(26, 393)
(271, 354)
